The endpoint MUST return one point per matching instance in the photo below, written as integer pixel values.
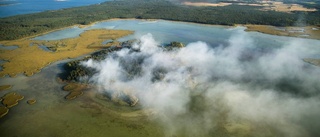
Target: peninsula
(27, 63)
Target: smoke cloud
(230, 90)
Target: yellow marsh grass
(3, 111)
(5, 87)
(313, 32)
(31, 59)
(11, 99)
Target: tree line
(20, 26)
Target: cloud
(229, 90)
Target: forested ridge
(31, 24)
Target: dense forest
(31, 24)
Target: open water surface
(18, 7)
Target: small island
(31, 101)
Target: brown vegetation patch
(31, 101)
(75, 89)
(280, 6)
(70, 86)
(11, 99)
(74, 94)
(311, 32)
(5, 87)
(3, 111)
(31, 59)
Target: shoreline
(249, 28)
(23, 43)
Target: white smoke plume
(230, 90)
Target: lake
(168, 31)
(92, 115)
(18, 7)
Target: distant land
(20, 7)
(238, 12)
(185, 67)
(266, 5)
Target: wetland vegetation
(86, 43)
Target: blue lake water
(17, 7)
(168, 31)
